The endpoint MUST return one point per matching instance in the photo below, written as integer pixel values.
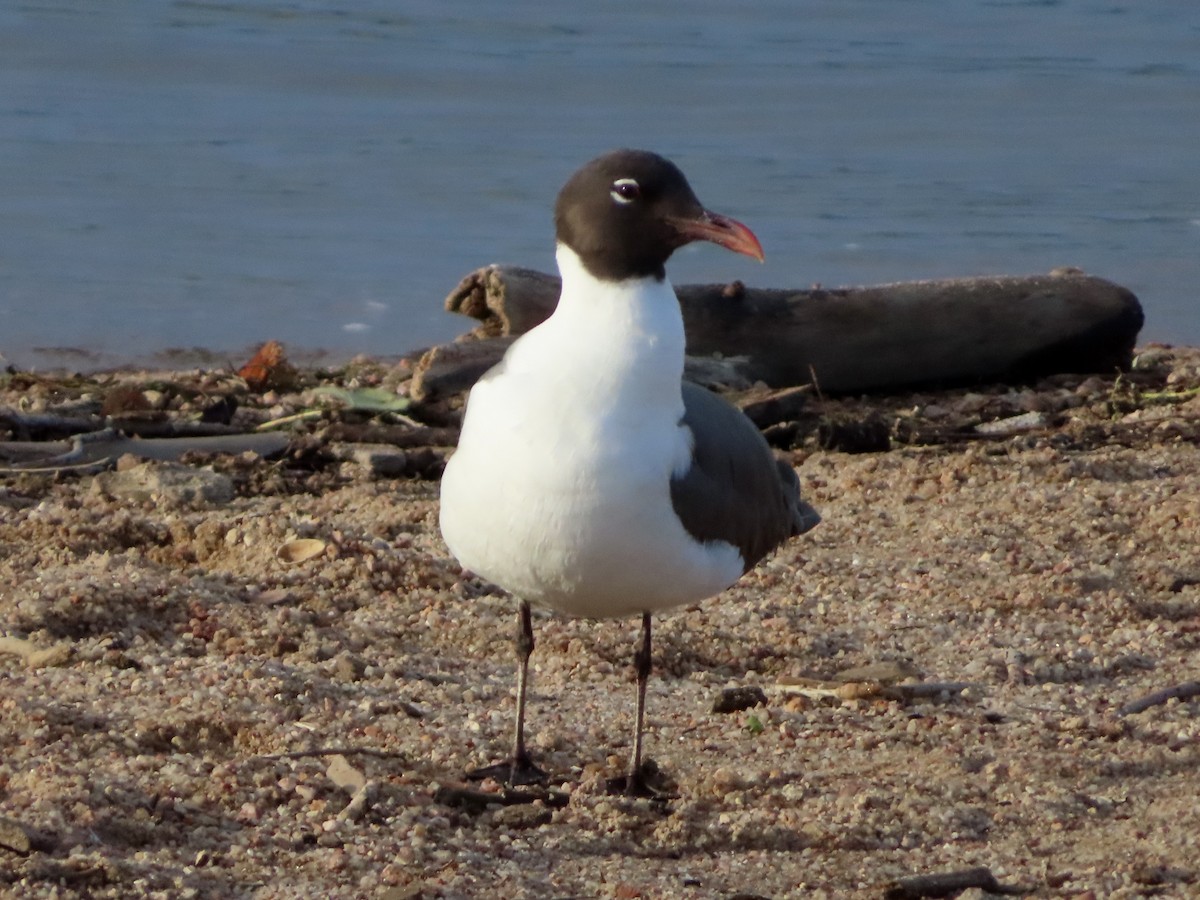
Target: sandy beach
(238, 676)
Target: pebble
(1040, 568)
(172, 484)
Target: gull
(589, 477)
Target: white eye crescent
(625, 191)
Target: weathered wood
(948, 884)
(870, 689)
(473, 801)
(452, 368)
(506, 299)
(869, 338)
(1184, 691)
(48, 426)
(401, 436)
(107, 445)
(766, 406)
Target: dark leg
(520, 769)
(637, 782)
(522, 765)
(641, 665)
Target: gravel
(185, 714)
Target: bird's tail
(804, 516)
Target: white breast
(559, 491)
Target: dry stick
(1169, 396)
(1184, 691)
(925, 689)
(865, 690)
(471, 800)
(83, 467)
(304, 416)
(35, 655)
(46, 421)
(79, 444)
(331, 751)
(812, 372)
(70, 426)
(946, 884)
(101, 446)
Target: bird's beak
(728, 233)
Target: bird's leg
(637, 782)
(520, 769)
(641, 665)
(522, 764)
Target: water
(213, 174)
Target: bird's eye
(625, 190)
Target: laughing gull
(589, 477)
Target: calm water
(179, 174)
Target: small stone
(348, 667)
(172, 484)
(343, 774)
(886, 672)
(523, 816)
(376, 460)
(14, 837)
(1013, 424)
(739, 698)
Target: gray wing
(736, 490)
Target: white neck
(609, 349)
(620, 331)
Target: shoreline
(85, 361)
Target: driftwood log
(452, 368)
(853, 339)
(105, 446)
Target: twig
(135, 428)
(80, 444)
(945, 884)
(331, 751)
(359, 802)
(82, 467)
(1169, 396)
(473, 801)
(866, 689)
(812, 373)
(98, 447)
(34, 655)
(921, 690)
(304, 416)
(1184, 691)
(28, 422)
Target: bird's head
(626, 212)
